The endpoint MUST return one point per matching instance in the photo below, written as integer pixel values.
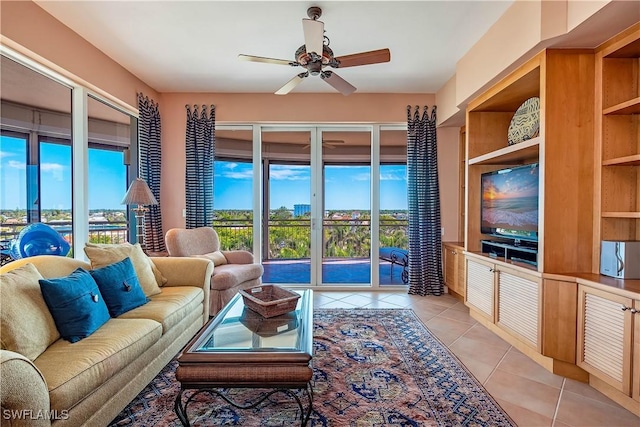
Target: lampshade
(139, 194)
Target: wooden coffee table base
(239, 349)
(293, 392)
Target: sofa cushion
(170, 306)
(230, 275)
(25, 321)
(119, 287)
(103, 255)
(74, 370)
(75, 303)
(217, 257)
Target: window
(108, 176)
(37, 159)
(13, 185)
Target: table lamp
(139, 194)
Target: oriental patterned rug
(372, 367)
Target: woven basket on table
(270, 300)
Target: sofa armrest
(238, 257)
(184, 271)
(24, 394)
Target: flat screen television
(510, 202)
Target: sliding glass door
(346, 206)
(324, 201)
(286, 213)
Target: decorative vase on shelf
(525, 123)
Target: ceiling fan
(315, 54)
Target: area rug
(372, 367)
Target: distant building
(300, 210)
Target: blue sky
(347, 187)
(107, 176)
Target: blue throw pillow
(119, 285)
(75, 303)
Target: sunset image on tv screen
(510, 199)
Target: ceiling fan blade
(266, 60)
(364, 58)
(313, 35)
(338, 83)
(288, 87)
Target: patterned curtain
(200, 151)
(425, 240)
(150, 156)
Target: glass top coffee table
(241, 349)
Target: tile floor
(530, 394)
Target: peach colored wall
(29, 29)
(448, 112)
(580, 11)
(292, 108)
(553, 19)
(449, 185)
(513, 35)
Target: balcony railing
(288, 238)
(291, 238)
(99, 231)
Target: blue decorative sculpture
(38, 239)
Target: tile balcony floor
(334, 271)
(530, 394)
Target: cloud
(55, 169)
(362, 177)
(230, 165)
(247, 174)
(15, 164)
(233, 170)
(4, 154)
(290, 173)
(392, 177)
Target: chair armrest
(184, 271)
(24, 393)
(238, 257)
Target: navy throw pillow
(120, 287)
(75, 303)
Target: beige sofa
(89, 382)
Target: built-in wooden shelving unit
(617, 120)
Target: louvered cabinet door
(519, 306)
(480, 286)
(604, 336)
(449, 267)
(461, 276)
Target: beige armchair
(233, 270)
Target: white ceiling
(192, 46)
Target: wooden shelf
(633, 160)
(628, 46)
(508, 94)
(617, 189)
(513, 154)
(621, 215)
(631, 106)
